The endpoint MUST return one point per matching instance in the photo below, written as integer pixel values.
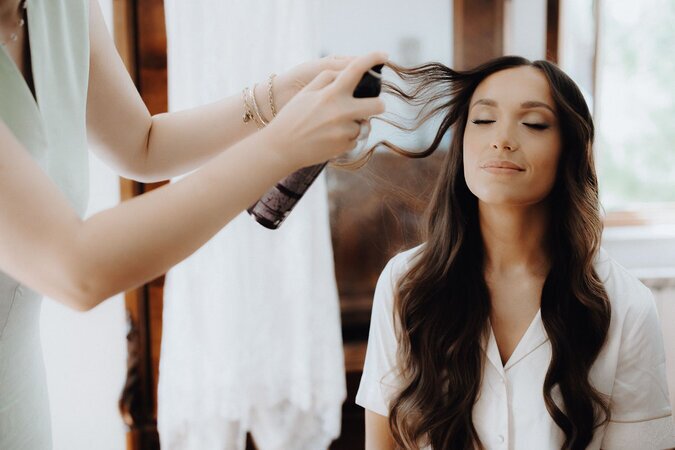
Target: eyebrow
(525, 105)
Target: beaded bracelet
(270, 94)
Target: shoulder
(631, 301)
(632, 371)
(399, 264)
(75, 4)
(65, 8)
(393, 271)
(65, 23)
(402, 261)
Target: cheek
(470, 158)
(546, 166)
(470, 142)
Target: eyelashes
(534, 126)
(537, 126)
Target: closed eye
(536, 126)
(481, 122)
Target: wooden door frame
(478, 31)
(140, 38)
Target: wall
(409, 33)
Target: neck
(10, 10)
(515, 238)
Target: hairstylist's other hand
(320, 122)
(289, 83)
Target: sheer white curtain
(251, 337)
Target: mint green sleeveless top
(53, 130)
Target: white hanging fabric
(251, 331)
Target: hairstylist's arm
(46, 246)
(146, 148)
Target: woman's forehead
(515, 86)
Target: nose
(504, 144)
(503, 140)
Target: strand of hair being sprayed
(429, 87)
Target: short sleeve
(378, 382)
(641, 414)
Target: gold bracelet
(248, 115)
(270, 94)
(251, 110)
(256, 109)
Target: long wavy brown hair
(442, 303)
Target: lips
(501, 164)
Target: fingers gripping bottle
(277, 203)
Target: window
(635, 105)
(619, 53)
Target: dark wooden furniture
(141, 40)
(478, 31)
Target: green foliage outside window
(635, 110)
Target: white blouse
(510, 412)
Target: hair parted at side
(442, 303)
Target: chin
(505, 198)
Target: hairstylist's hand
(289, 83)
(320, 122)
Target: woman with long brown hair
(509, 327)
